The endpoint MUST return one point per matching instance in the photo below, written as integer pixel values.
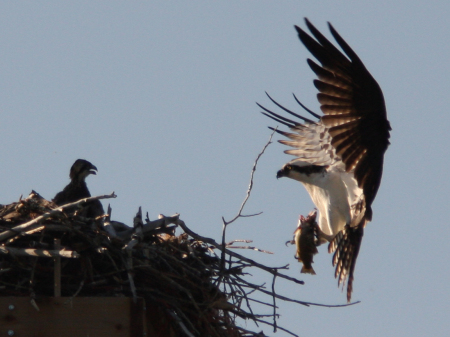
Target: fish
(305, 241)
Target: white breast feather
(333, 192)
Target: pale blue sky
(160, 96)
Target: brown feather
(333, 90)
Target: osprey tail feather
(346, 246)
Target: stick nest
(42, 245)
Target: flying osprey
(339, 157)
(77, 189)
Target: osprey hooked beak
(93, 170)
(81, 169)
(284, 171)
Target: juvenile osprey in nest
(77, 189)
(339, 157)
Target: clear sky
(160, 96)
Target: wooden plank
(73, 317)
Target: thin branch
(236, 255)
(250, 186)
(249, 247)
(307, 304)
(239, 240)
(274, 305)
(249, 190)
(39, 252)
(180, 323)
(283, 329)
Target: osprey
(339, 155)
(77, 189)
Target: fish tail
(309, 270)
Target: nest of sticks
(197, 285)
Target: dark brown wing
(355, 113)
(354, 109)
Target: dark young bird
(305, 241)
(77, 189)
(339, 155)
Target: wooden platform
(72, 317)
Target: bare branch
(236, 255)
(180, 323)
(249, 247)
(39, 252)
(274, 305)
(250, 186)
(249, 190)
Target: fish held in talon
(305, 241)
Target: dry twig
(247, 196)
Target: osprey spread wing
(339, 156)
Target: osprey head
(81, 169)
(285, 170)
(300, 170)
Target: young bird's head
(81, 169)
